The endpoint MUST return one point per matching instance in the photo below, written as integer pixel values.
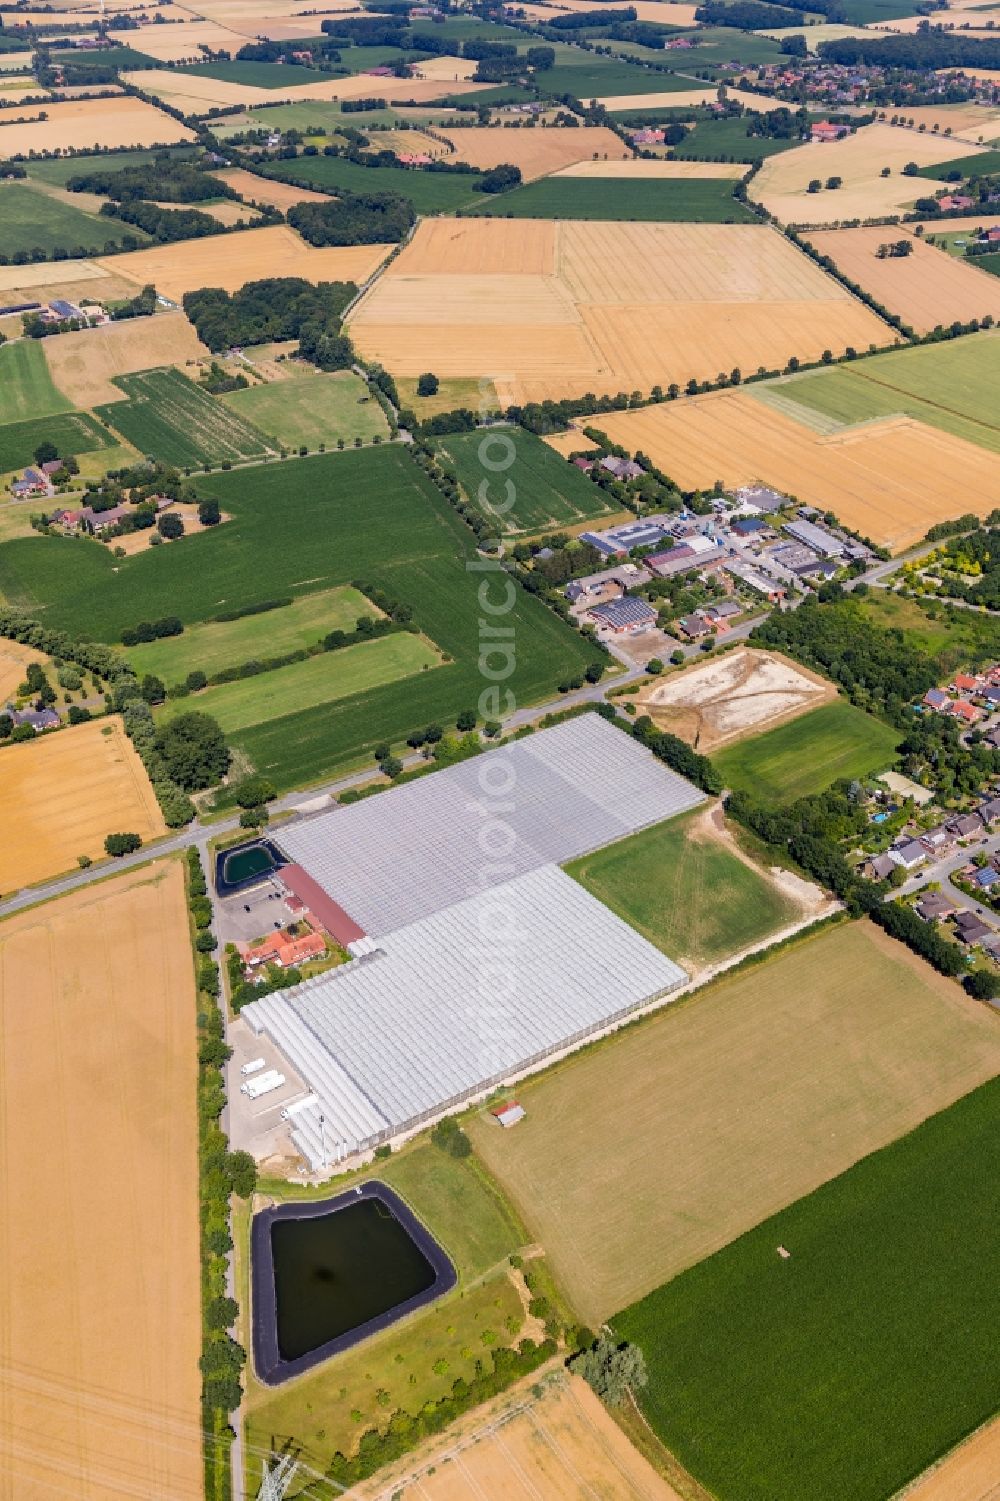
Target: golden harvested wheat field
(967, 122)
(228, 261)
(740, 1099)
(256, 189)
(84, 123)
(445, 69)
(690, 99)
(181, 41)
(781, 184)
(538, 151)
(557, 309)
(890, 479)
(642, 167)
(924, 288)
(83, 363)
(14, 659)
(197, 93)
(742, 693)
(100, 1304)
(548, 1438)
(61, 794)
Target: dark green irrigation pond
(327, 1275)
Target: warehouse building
(483, 957)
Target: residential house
(97, 522)
(933, 907)
(938, 840)
(964, 683)
(723, 616)
(39, 719)
(986, 878)
(909, 854)
(622, 468)
(585, 465)
(965, 825)
(694, 627)
(955, 201)
(624, 616)
(825, 130)
(971, 930)
(989, 811)
(936, 699)
(32, 482)
(961, 709)
(823, 569)
(414, 158)
(648, 137)
(880, 867)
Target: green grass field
(808, 754)
(107, 57)
(452, 392)
(548, 491)
(307, 525)
(227, 643)
(460, 1207)
(31, 220)
(983, 162)
(990, 263)
(430, 192)
(711, 139)
(58, 170)
(850, 1367)
(311, 408)
(259, 75)
(687, 893)
(588, 75)
(166, 416)
(71, 432)
(949, 385)
(708, 201)
(26, 387)
(303, 685)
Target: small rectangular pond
(246, 865)
(327, 1275)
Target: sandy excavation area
(100, 1309)
(742, 693)
(783, 181)
(83, 363)
(925, 288)
(228, 261)
(558, 309)
(537, 151)
(86, 123)
(890, 480)
(49, 819)
(560, 1444)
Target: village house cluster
(971, 698)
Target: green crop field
(980, 164)
(430, 192)
(871, 12)
(304, 526)
(850, 1367)
(30, 220)
(588, 75)
(651, 1150)
(949, 385)
(548, 491)
(219, 644)
(728, 140)
(685, 891)
(26, 387)
(259, 75)
(168, 417)
(708, 201)
(809, 753)
(418, 1360)
(107, 57)
(312, 114)
(58, 170)
(318, 680)
(311, 408)
(71, 432)
(990, 263)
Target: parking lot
(252, 914)
(256, 1125)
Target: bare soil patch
(186, 510)
(742, 693)
(99, 1277)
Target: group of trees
(276, 308)
(927, 49)
(355, 219)
(165, 179)
(894, 249)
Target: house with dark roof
(39, 719)
(933, 906)
(936, 698)
(624, 616)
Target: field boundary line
(939, 406)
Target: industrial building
(484, 958)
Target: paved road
(942, 870)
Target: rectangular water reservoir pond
(327, 1275)
(334, 1273)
